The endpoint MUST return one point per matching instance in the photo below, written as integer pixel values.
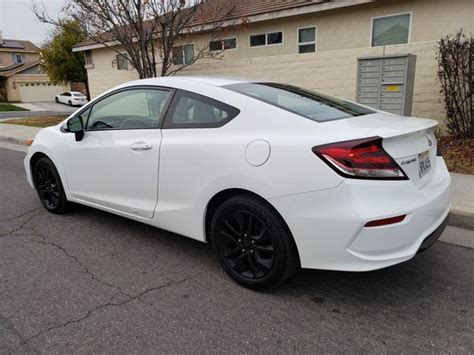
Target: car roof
(209, 80)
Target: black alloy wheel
(252, 242)
(49, 187)
(247, 246)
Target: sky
(18, 22)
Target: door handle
(141, 146)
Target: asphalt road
(92, 282)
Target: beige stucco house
(22, 77)
(319, 44)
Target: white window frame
(266, 39)
(124, 55)
(184, 56)
(223, 39)
(390, 15)
(22, 60)
(91, 63)
(298, 44)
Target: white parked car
(71, 98)
(275, 177)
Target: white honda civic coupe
(273, 176)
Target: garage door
(34, 92)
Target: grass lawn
(458, 154)
(10, 107)
(42, 121)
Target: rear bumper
(329, 225)
(433, 237)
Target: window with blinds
(390, 30)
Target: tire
(69, 103)
(253, 243)
(49, 187)
(57, 100)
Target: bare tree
(145, 29)
(455, 62)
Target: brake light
(360, 159)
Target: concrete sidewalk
(462, 207)
(17, 134)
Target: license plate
(424, 163)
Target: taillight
(360, 159)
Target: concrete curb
(461, 220)
(13, 140)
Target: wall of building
(13, 82)
(335, 72)
(6, 57)
(343, 35)
(351, 27)
(104, 73)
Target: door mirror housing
(75, 125)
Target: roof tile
(242, 9)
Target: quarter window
(266, 39)
(221, 45)
(189, 110)
(183, 54)
(130, 109)
(307, 40)
(390, 30)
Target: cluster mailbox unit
(386, 83)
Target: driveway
(93, 282)
(39, 109)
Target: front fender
(49, 142)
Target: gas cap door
(257, 152)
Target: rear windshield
(77, 94)
(315, 106)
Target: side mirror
(74, 125)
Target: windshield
(315, 106)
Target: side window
(190, 110)
(130, 109)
